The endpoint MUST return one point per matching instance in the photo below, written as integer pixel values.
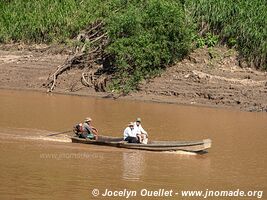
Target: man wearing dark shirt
(89, 131)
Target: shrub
(146, 37)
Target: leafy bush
(146, 37)
(209, 40)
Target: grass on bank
(241, 24)
(45, 21)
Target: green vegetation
(45, 21)
(241, 24)
(145, 38)
(145, 35)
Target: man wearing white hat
(129, 134)
(141, 134)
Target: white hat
(131, 124)
(87, 119)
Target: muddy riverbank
(208, 77)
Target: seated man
(86, 130)
(91, 131)
(129, 134)
(141, 134)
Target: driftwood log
(90, 56)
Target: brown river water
(37, 166)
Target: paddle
(60, 133)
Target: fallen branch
(95, 27)
(84, 79)
(52, 78)
(98, 38)
(92, 59)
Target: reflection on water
(133, 165)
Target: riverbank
(207, 77)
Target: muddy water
(36, 166)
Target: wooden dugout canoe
(190, 146)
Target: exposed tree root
(90, 58)
(86, 79)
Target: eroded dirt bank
(211, 77)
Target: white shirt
(128, 132)
(139, 129)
